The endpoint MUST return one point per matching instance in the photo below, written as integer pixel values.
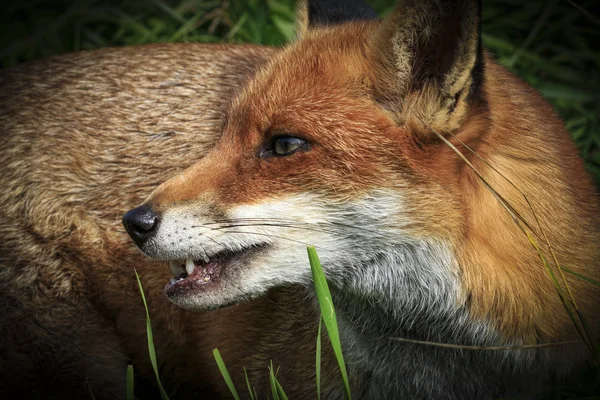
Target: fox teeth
(206, 259)
(189, 266)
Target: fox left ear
(427, 61)
(312, 13)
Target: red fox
(347, 139)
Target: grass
(151, 350)
(551, 44)
(318, 359)
(129, 381)
(328, 315)
(227, 377)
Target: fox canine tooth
(175, 268)
(189, 266)
(206, 259)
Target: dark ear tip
(333, 12)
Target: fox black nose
(141, 224)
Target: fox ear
(311, 13)
(428, 61)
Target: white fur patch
(362, 243)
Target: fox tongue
(205, 272)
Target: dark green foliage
(553, 45)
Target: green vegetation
(129, 382)
(328, 315)
(226, 376)
(551, 44)
(151, 350)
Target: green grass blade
(273, 384)
(151, 350)
(225, 374)
(280, 391)
(276, 388)
(90, 389)
(248, 384)
(537, 27)
(585, 12)
(318, 361)
(328, 314)
(129, 383)
(583, 277)
(169, 11)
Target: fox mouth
(193, 275)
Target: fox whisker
(294, 224)
(277, 237)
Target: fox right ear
(428, 61)
(313, 13)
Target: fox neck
(413, 292)
(413, 288)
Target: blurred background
(552, 44)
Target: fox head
(331, 144)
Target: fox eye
(282, 146)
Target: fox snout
(141, 223)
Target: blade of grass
(238, 25)
(169, 11)
(486, 348)
(280, 391)
(248, 384)
(90, 389)
(318, 361)
(548, 66)
(129, 383)
(151, 350)
(537, 27)
(225, 374)
(584, 12)
(583, 277)
(274, 391)
(276, 388)
(328, 314)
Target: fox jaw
(314, 152)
